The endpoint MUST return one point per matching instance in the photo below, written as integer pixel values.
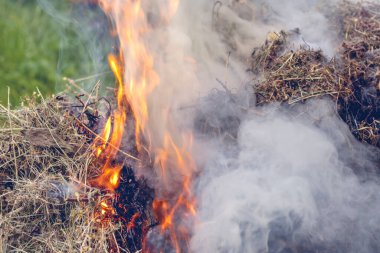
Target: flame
(109, 179)
(131, 223)
(106, 209)
(170, 211)
(103, 138)
(136, 78)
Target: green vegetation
(36, 50)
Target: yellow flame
(103, 138)
(110, 177)
(106, 209)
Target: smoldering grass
(351, 79)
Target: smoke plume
(294, 181)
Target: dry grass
(360, 57)
(294, 76)
(352, 79)
(46, 202)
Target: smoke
(209, 42)
(83, 31)
(286, 185)
(293, 180)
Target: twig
(110, 144)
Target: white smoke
(287, 187)
(209, 40)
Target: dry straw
(46, 160)
(351, 79)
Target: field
(37, 50)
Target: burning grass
(49, 201)
(352, 79)
(45, 158)
(50, 198)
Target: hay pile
(360, 55)
(292, 76)
(46, 202)
(352, 79)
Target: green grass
(36, 50)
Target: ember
(132, 202)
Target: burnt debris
(132, 203)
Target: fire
(103, 138)
(136, 78)
(183, 205)
(109, 179)
(106, 208)
(111, 138)
(140, 76)
(131, 223)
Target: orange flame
(105, 208)
(131, 223)
(103, 138)
(109, 178)
(136, 79)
